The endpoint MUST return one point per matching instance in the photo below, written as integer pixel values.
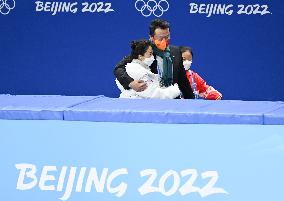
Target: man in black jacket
(168, 62)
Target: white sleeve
(154, 91)
(135, 71)
(119, 85)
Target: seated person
(198, 85)
(142, 57)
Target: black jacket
(179, 75)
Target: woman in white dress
(142, 57)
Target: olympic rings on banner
(152, 7)
(6, 7)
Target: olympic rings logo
(152, 7)
(6, 6)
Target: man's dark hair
(186, 48)
(139, 47)
(158, 23)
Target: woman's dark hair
(139, 47)
(158, 23)
(185, 48)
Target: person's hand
(138, 85)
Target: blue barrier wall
(241, 162)
(75, 53)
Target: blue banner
(71, 47)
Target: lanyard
(159, 67)
(159, 70)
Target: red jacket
(202, 89)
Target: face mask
(162, 45)
(148, 61)
(187, 64)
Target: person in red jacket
(198, 85)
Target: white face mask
(187, 64)
(148, 61)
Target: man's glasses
(160, 38)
